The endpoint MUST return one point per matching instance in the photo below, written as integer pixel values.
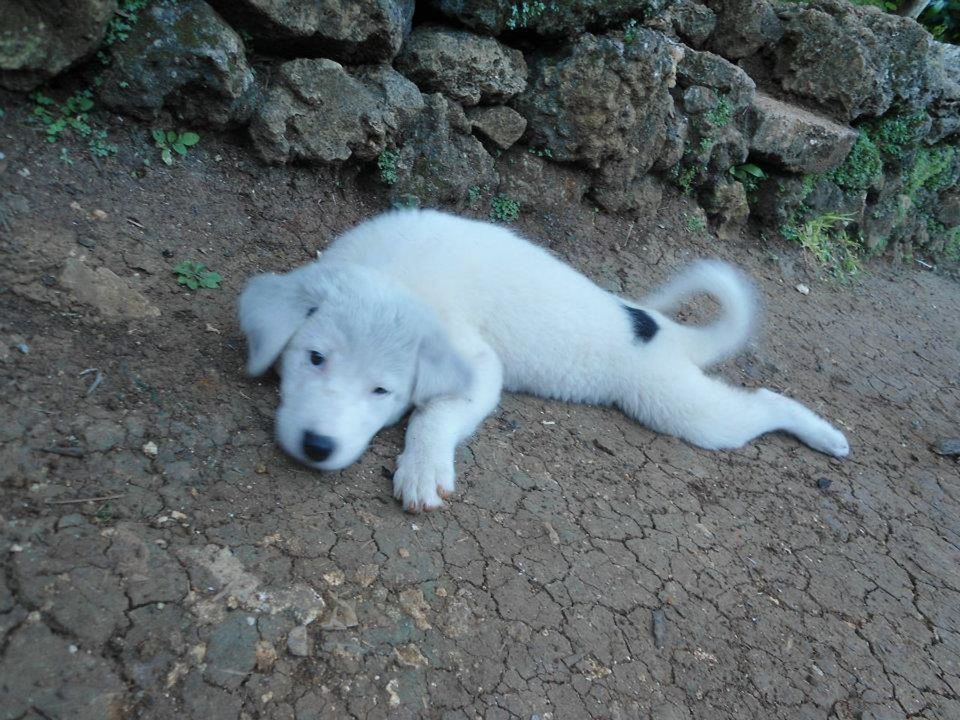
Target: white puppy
(424, 309)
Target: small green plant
(65, 156)
(98, 145)
(504, 209)
(696, 223)
(630, 30)
(169, 142)
(683, 177)
(862, 168)
(826, 238)
(749, 175)
(387, 164)
(473, 194)
(195, 275)
(933, 169)
(522, 14)
(60, 119)
(120, 25)
(722, 112)
(893, 135)
(542, 152)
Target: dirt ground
(162, 559)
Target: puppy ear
(440, 369)
(272, 307)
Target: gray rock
(463, 66)
(947, 446)
(568, 18)
(319, 111)
(854, 61)
(501, 125)
(538, 183)
(795, 139)
(688, 20)
(727, 203)
(602, 100)
(298, 642)
(441, 161)
(231, 651)
(744, 27)
(41, 38)
(350, 31)
(203, 700)
(712, 71)
(40, 671)
(640, 197)
(183, 57)
(944, 109)
(105, 291)
(948, 208)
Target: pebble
(947, 446)
(150, 449)
(803, 289)
(298, 642)
(824, 483)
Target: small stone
(947, 446)
(24, 348)
(415, 606)
(298, 642)
(87, 242)
(334, 578)
(232, 602)
(410, 656)
(367, 574)
(98, 214)
(659, 626)
(150, 449)
(403, 552)
(261, 469)
(824, 483)
(177, 515)
(803, 289)
(266, 656)
(339, 616)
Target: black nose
(317, 447)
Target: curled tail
(709, 344)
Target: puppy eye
(316, 358)
(380, 391)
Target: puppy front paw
(421, 482)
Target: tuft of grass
(504, 209)
(722, 112)
(826, 238)
(696, 223)
(170, 142)
(387, 164)
(196, 275)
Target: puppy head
(354, 351)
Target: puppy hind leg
(710, 414)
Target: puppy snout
(317, 447)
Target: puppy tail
(709, 344)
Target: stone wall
(789, 112)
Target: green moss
(504, 209)
(387, 164)
(933, 169)
(895, 134)
(951, 248)
(863, 166)
(722, 112)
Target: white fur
(445, 312)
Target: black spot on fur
(311, 311)
(644, 326)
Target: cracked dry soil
(587, 567)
